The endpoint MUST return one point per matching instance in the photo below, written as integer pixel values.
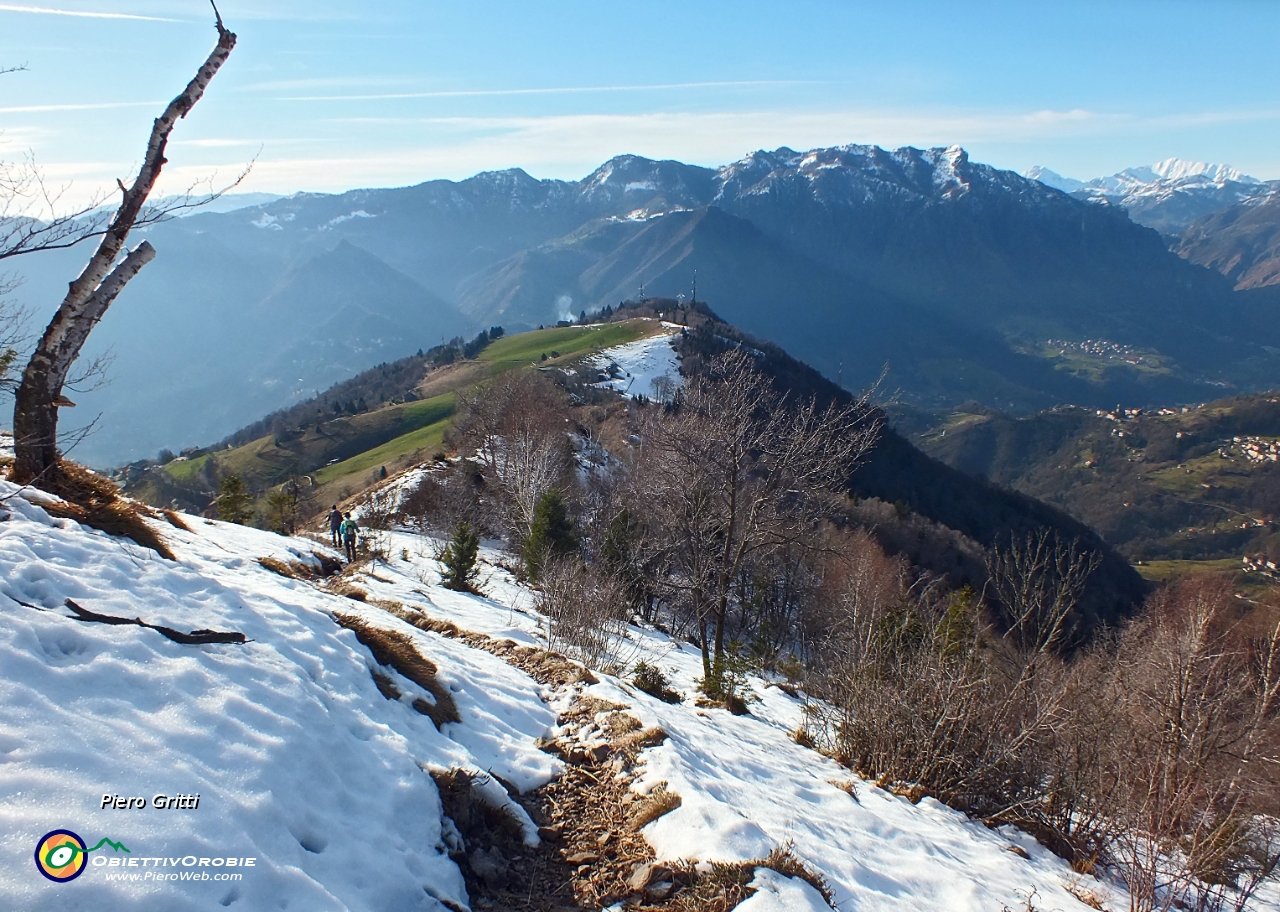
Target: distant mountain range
(1213, 215)
(1167, 196)
(952, 273)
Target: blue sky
(335, 94)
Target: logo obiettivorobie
(61, 854)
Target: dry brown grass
(633, 742)
(802, 737)
(275, 565)
(301, 570)
(544, 667)
(93, 501)
(1090, 897)
(348, 589)
(848, 786)
(386, 686)
(785, 861)
(913, 793)
(618, 723)
(396, 650)
(176, 520)
(657, 803)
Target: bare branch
(89, 296)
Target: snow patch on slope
(632, 368)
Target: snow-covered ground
(640, 363)
(304, 766)
(299, 761)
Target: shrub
(461, 559)
(727, 684)
(652, 681)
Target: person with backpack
(335, 524)
(349, 530)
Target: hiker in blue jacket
(335, 525)
(349, 530)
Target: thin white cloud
(40, 109)
(82, 14)
(567, 90)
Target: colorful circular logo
(61, 856)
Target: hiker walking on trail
(335, 525)
(349, 529)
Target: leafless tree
(586, 611)
(35, 419)
(1198, 766)
(733, 470)
(519, 426)
(1039, 580)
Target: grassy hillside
(337, 456)
(562, 342)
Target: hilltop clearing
(391, 416)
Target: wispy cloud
(39, 109)
(82, 14)
(567, 90)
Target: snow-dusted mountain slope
(303, 766)
(1168, 195)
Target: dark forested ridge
(896, 472)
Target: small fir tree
(282, 508)
(461, 558)
(235, 503)
(551, 534)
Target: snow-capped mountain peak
(1178, 169)
(1053, 179)
(1167, 195)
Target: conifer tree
(551, 535)
(282, 508)
(235, 503)
(461, 558)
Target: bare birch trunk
(35, 414)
